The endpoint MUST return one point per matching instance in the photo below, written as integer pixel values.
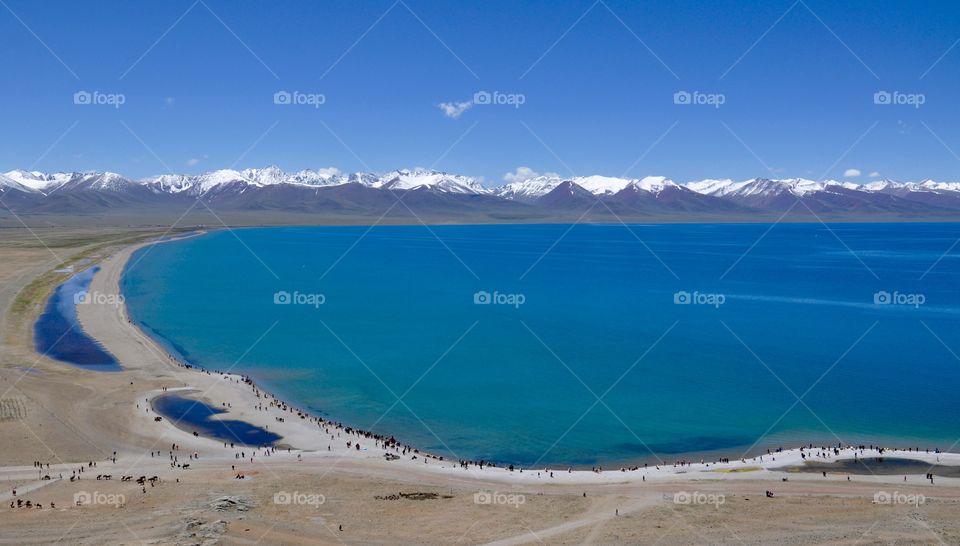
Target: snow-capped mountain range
(199, 185)
(329, 190)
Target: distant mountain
(441, 195)
(528, 191)
(927, 193)
(430, 180)
(38, 181)
(802, 195)
(567, 196)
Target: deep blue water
(194, 415)
(794, 316)
(57, 332)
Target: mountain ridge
(332, 191)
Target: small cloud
(851, 173)
(328, 171)
(874, 174)
(169, 102)
(193, 161)
(453, 109)
(525, 173)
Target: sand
(70, 418)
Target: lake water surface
(579, 345)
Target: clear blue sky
(798, 82)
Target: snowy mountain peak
(107, 181)
(939, 186)
(655, 184)
(424, 179)
(169, 183)
(322, 177)
(832, 184)
(9, 183)
(755, 187)
(883, 185)
(711, 186)
(602, 185)
(266, 176)
(35, 180)
(530, 189)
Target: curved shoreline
(244, 400)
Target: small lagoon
(58, 334)
(195, 416)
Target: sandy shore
(104, 419)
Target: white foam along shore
(314, 438)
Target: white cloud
(524, 173)
(851, 172)
(453, 109)
(874, 174)
(193, 161)
(328, 171)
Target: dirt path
(601, 511)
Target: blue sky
(797, 81)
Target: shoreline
(242, 399)
(79, 426)
(304, 438)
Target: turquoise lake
(580, 345)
